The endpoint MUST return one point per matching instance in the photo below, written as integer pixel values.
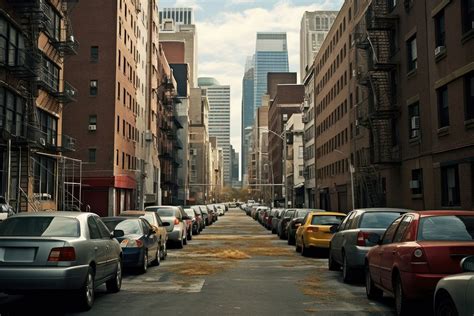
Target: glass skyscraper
(248, 110)
(271, 55)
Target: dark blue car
(140, 245)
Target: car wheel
(332, 264)
(274, 231)
(304, 250)
(185, 239)
(445, 306)
(144, 267)
(190, 234)
(402, 304)
(157, 262)
(346, 270)
(371, 290)
(180, 244)
(290, 240)
(113, 285)
(164, 252)
(86, 293)
(297, 247)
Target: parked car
(349, 245)
(158, 226)
(276, 219)
(285, 218)
(295, 221)
(212, 212)
(454, 294)
(205, 215)
(140, 245)
(195, 225)
(199, 218)
(59, 251)
(314, 230)
(177, 230)
(188, 222)
(416, 251)
(220, 209)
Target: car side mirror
(165, 224)
(118, 233)
(374, 238)
(334, 229)
(467, 264)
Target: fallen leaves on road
(312, 286)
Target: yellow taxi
(315, 230)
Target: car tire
(445, 305)
(304, 250)
(347, 276)
(180, 244)
(113, 285)
(274, 231)
(332, 264)
(185, 239)
(164, 252)
(291, 240)
(402, 304)
(190, 235)
(297, 248)
(157, 260)
(144, 266)
(85, 296)
(373, 292)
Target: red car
(416, 251)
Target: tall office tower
(271, 55)
(234, 167)
(178, 15)
(219, 119)
(174, 31)
(248, 111)
(114, 119)
(314, 28)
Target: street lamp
(351, 170)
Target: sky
(226, 31)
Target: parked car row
(410, 255)
(78, 251)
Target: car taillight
(361, 238)
(176, 221)
(62, 254)
(131, 243)
(312, 229)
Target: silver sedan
(50, 251)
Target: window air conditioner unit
(42, 141)
(414, 184)
(306, 104)
(94, 84)
(415, 133)
(439, 50)
(357, 123)
(92, 127)
(148, 136)
(415, 122)
(70, 39)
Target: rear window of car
(150, 217)
(40, 226)
(327, 220)
(163, 211)
(129, 226)
(302, 213)
(450, 228)
(378, 219)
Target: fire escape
(379, 111)
(29, 69)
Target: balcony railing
(69, 93)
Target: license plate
(17, 254)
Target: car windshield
(129, 226)
(327, 220)
(150, 217)
(189, 212)
(301, 213)
(449, 227)
(378, 219)
(289, 213)
(40, 226)
(164, 212)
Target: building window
(12, 44)
(54, 26)
(116, 157)
(300, 151)
(416, 184)
(412, 54)
(92, 154)
(440, 32)
(44, 170)
(92, 122)
(93, 87)
(414, 121)
(49, 127)
(450, 195)
(301, 170)
(12, 119)
(118, 124)
(467, 12)
(392, 4)
(50, 74)
(443, 108)
(469, 95)
(95, 53)
(123, 160)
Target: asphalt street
(234, 267)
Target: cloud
(227, 38)
(188, 4)
(242, 1)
